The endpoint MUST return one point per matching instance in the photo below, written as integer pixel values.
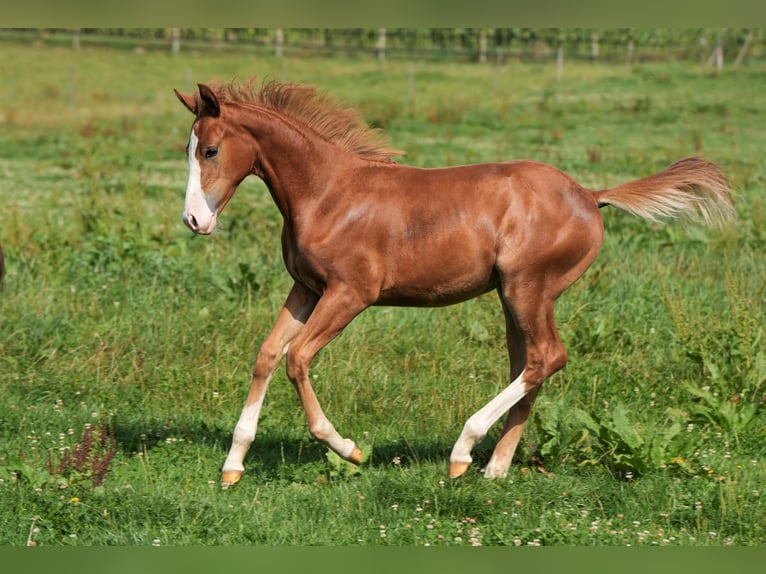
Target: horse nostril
(193, 222)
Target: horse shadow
(280, 454)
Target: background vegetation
(126, 343)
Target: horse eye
(211, 152)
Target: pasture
(126, 343)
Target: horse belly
(440, 272)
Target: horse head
(218, 161)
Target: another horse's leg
(336, 308)
(517, 417)
(298, 306)
(545, 355)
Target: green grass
(114, 314)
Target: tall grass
(115, 317)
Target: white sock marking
(479, 424)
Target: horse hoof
(457, 469)
(356, 456)
(229, 478)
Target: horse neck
(292, 161)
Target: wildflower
(74, 500)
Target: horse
(361, 229)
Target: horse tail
(691, 188)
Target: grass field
(126, 342)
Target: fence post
(76, 39)
(279, 39)
(175, 45)
(716, 57)
(594, 47)
(483, 46)
(560, 61)
(744, 49)
(381, 45)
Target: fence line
(458, 44)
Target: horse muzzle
(201, 223)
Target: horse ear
(188, 101)
(208, 102)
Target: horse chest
(303, 265)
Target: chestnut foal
(361, 230)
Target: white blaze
(198, 213)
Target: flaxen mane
(305, 105)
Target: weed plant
(126, 343)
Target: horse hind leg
(517, 417)
(528, 293)
(502, 456)
(544, 355)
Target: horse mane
(307, 106)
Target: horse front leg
(291, 320)
(334, 311)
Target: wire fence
(707, 45)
